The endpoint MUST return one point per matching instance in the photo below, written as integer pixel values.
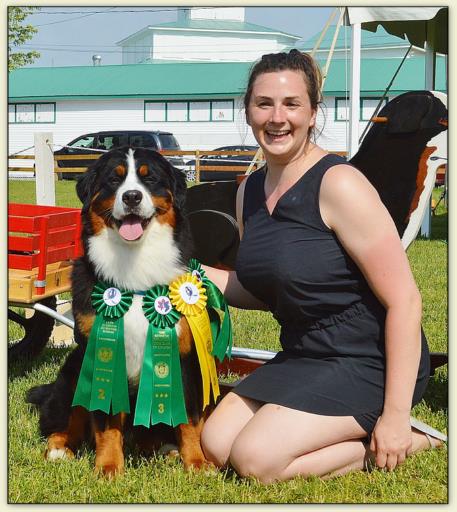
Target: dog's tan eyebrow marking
(120, 170)
(143, 170)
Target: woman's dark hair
(293, 61)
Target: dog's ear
(85, 187)
(180, 187)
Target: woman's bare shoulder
(342, 179)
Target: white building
(204, 34)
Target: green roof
(197, 80)
(129, 81)
(377, 39)
(212, 26)
(376, 74)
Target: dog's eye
(115, 180)
(150, 178)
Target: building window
(199, 111)
(222, 110)
(341, 109)
(31, 113)
(368, 106)
(154, 111)
(194, 111)
(177, 111)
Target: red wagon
(42, 243)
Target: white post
(429, 86)
(354, 100)
(44, 169)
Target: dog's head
(126, 189)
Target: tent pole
(430, 55)
(354, 88)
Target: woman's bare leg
(223, 426)
(279, 443)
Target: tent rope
(379, 105)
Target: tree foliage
(18, 34)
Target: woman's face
(280, 114)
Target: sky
(70, 36)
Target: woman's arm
(227, 281)
(352, 208)
(234, 293)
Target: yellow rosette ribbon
(188, 296)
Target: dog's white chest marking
(135, 330)
(139, 266)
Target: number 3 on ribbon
(161, 408)
(101, 394)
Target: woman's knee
(223, 426)
(249, 458)
(216, 450)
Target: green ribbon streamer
(160, 393)
(222, 333)
(102, 383)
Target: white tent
(425, 27)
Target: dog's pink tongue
(131, 228)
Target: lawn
(423, 478)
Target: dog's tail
(38, 394)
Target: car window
(111, 141)
(143, 140)
(83, 142)
(168, 141)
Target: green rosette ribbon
(160, 394)
(221, 331)
(102, 383)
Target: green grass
(423, 478)
(24, 192)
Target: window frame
(376, 98)
(362, 99)
(188, 102)
(34, 103)
(338, 99)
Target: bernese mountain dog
(135, 236)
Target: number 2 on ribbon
(101, 394)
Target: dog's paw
(109, 470)
(53, 454)
(198, 464)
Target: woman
(322, 253)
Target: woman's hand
(391, 440)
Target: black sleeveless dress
(332, 325)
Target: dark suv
(95, 143)
(237, 161)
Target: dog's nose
(132, 197)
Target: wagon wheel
(37, 329)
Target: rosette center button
(189, 293)
(112, 296)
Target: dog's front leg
(109, 441)
(63, 444)
(188, 437)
